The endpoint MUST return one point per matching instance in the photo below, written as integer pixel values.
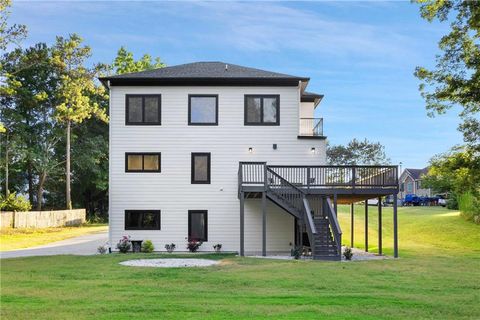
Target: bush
(452, 202)
(12, 202)
(147, 246)
(102, 249)
(170, 247)
(348, 254)
(193, 245)
(124, 245)
(217, 247)
(469, 207)
(297, 252)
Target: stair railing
(334, 225)
(296, 198)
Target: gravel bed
(170, 263)
(358, 255)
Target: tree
(357, 152)
(28, 113)
(9, 34)
(455, 80)
(73, 95)
(125, 63)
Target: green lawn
(13, 239)
(437, 277)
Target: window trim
(192, 173)
(190, 123)
(261, 123)
(144, 211)
(159, 154)
(205, 230)
(143, 123)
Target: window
(201, 168)
(203, 110)
(142, 162)
(143, 109)
(262, 110)
(409, 187)
(197, 225)
(142, 219)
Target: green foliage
(469, 206)
(124, 245)
(125, 63)
(194, 245)
(452, 202)
(357, 152)
(296, 252)
(9, 34)
(456, 77)
(347, 253)
(12, 202)
(147, 246)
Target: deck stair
(322, 227)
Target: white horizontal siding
(171, 191)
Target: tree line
(54, 119)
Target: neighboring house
(196, 150)
(411, 183)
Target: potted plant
(193, 245)
(170, 247)
(217, 247)
(348, 254)
(147, 246)
(124, 245)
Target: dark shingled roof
(204, 72)
(417, 173)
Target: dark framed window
(200, 168)
(202, 109)
(143, 162)
(143, 109)
(262, 110)
(142, 219)
(197, 225)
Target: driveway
(82, 245)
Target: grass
(435, 278)
(13, 239)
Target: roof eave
(202, 81)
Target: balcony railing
(313, 177)
(311, 127)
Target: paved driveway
(82, 245)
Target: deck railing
(323, 176)
(311, 127)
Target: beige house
(411, 183)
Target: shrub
(102, 249)
(217, 247)
(170, 247)
(12, 202)
(452, 202)
(469, 207)
(147, 246)
(124, 245)
(297, 252)
(193, 245)
(348, 254)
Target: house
(411, 183)
(221, 153)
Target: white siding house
(171, 191)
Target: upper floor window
(142, 219)
(143, 109)
(262, 110)
(142, 162)
(203, 110)
(201, 168)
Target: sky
(360, 55)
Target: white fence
(42, 219)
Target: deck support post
(242, 223)
(366, 225)
(380, 225)
(335, 203)
(352, 224)
(264, 224)
(395, 227)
